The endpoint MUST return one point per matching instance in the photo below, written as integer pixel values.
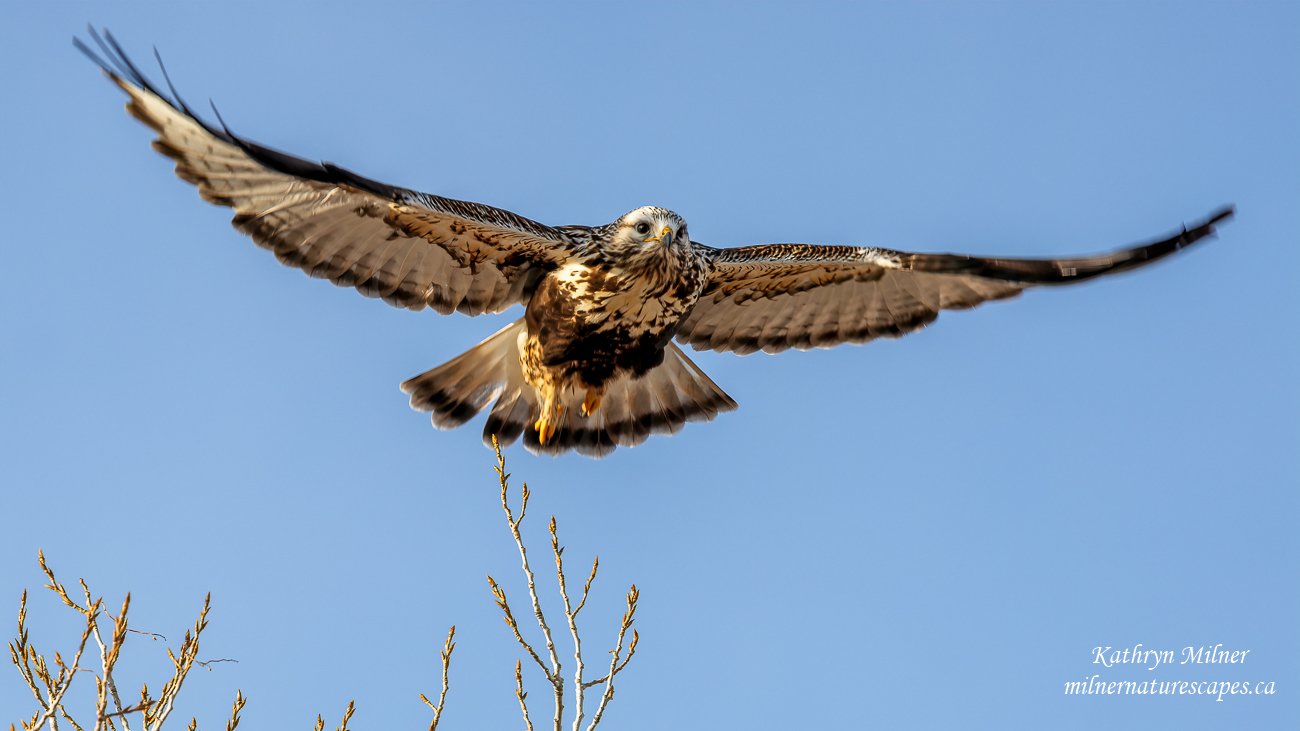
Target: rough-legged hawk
(592, 364)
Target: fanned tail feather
(460, 388)
(660, 402)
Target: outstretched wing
(414, 250)
(780, 296)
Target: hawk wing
(779, 296)
(412, 249)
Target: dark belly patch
(599, 355)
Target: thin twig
(522, 696)
(56, 587)
(447, 648)
(22, 654)
(499, 595)
(347, 715)
(586, 589)
(235, 710)
(131, 709)
(207, 664)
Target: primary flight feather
(592, 364)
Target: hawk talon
(547, 425)
(591, 403)
(545, 430)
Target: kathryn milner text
(1108, 656)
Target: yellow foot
(547, 424)
(591, 402)
(544, 429)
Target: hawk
(592, 364)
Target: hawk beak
(665, 237)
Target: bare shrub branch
(552, 671)
(50, 688)
(49, 681)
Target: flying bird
(592, 364)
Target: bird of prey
(592, 364)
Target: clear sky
(933, 532)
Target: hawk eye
(643, 228)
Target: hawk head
(648, 237)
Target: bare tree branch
(614, 667)
(66, 673)
(571, 615)
(553, 674)
(50, 682)
(103, 659)
(109, 661)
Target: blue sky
(928, 533)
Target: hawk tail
(632, 408)
(659, 402)
(460, 388)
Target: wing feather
(412, 249)
(779, 296)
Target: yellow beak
(665, 237)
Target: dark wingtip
(172, 87)
(1205, 229)
(112, 58)
(217, 113)
(80, 45)
(1222, 214)
(105, 62)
